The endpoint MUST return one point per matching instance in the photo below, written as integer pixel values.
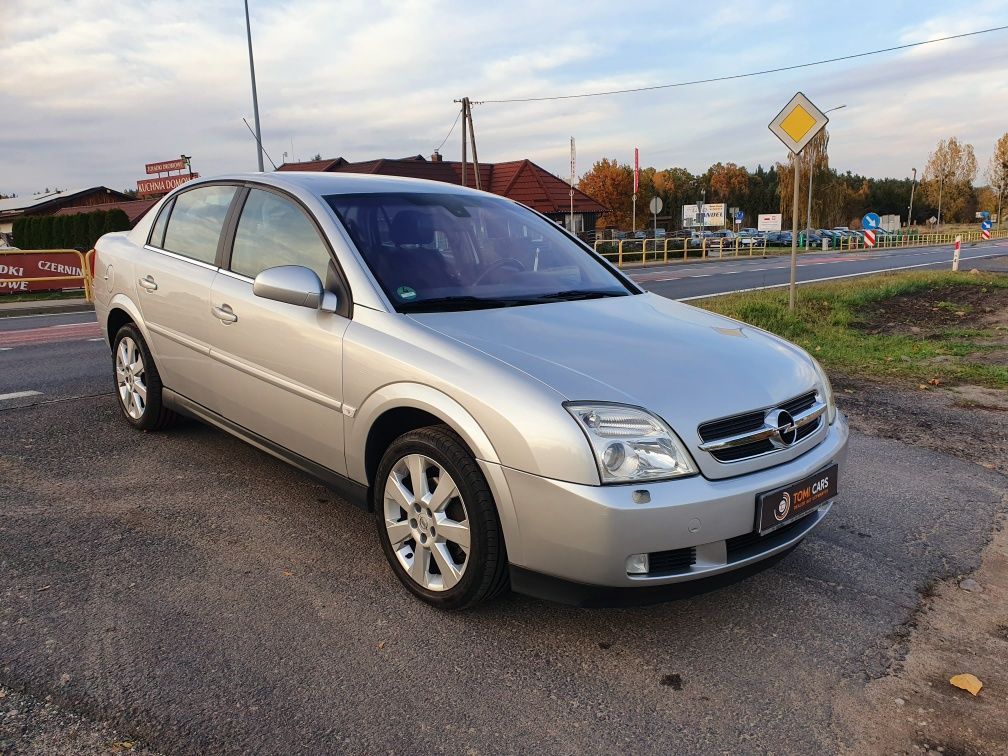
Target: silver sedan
(513, 410)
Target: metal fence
(640, 252)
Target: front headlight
(827, 390)
(631, 444)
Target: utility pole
(913, 183)
(572, 228)
(467, 125)
(255, 96)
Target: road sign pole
(955, 255)
(635, 213)
(793, 291)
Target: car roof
(322, 184)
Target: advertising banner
(178, 164)
(713, 215)
(769, 222)
(42, 265)
(162, 185)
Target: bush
(96, 227)
(81, 238)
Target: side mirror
(296, 285)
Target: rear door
(174, 274)
(278, 365)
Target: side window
(157, 232)
(195, 224)
(274, 231)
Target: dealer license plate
(781, 506)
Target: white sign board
(713, 215)
(890, 223)
(769, 222)
(655, 205)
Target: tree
(96, 226)
(997, 171)
(728, 182)
(318, 156)
(610, 184)
(948, 179)
(81, 240)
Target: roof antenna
(260, 143)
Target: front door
(279, 366)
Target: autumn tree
(610, 184)
(997, 171)
(948, 179)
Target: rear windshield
(453, 251)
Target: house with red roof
(520, 180)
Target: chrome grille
(748, 435)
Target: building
(50, 203)
(134, 209)
(519, 180)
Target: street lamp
(808, 229)
(255, 96)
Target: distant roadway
(699, 279)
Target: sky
(90, 91)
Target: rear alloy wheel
(138, 384)
(437, 520)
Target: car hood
(684, 364)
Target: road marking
(19, 395)
(98, 339)
(48, 314)
(5, 349)
(832, 278)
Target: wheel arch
(122, 310)
(398, 408)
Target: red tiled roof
(135, 209)
(520, 180)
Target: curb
(34, 308)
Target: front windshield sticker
(406, 292)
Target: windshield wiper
(572, 294)
(445, 304)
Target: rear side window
(195, 224)
(274, 231)
(157, 233)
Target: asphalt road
(688, 280)
(204, 597)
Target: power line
(450, 131)
(749, 74)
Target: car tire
(443, 542)
(137, 382)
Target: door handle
(225, 314)
(148, 283)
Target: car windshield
(457, 252)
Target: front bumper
(584, 534)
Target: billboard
(714, 215)
(890, 223)
(178, 164)
(164, 184)
(769, 222)
(42, 265)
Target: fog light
(637, 564)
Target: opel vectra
(514, 411)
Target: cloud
(89, 96)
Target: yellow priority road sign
(798, 122)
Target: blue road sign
(871, 221)
(986, 225)
(739, 216)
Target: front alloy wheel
(437, 520)
(427, 523)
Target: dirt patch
(932, 312)
(915, 709)
(965, 421)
